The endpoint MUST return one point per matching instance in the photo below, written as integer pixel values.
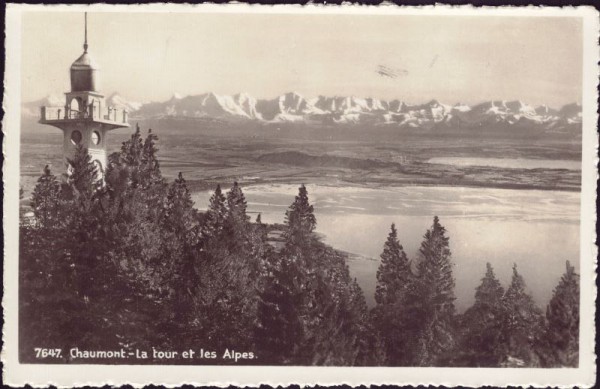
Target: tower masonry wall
(96, 151)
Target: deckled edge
(11, 120)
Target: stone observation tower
(85, 119)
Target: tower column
(87, 119)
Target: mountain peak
(292, 106)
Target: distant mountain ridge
(293, 107)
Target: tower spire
(85, 45)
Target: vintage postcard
(246, 195)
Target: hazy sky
(148, 56)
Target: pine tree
(489, 293)
(90, 276)
(140, 238)
(104, 263)
(259, 246)
(482, 324)
(393, 278)
(236, 219)
(362, 331)
(149, 161)
(46, 282)
(393, 272)
(430, 300)
(231, 262)
(83, 179)
(131, 151)
(300, 219)
(180, 222)
(522, 323)
(179, 214)
(178, 265)
(310, 310)
(285, 310)
(562, 315)
(279, 329)
(46, 201)
(236, 202)
(216, 214)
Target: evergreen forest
(128, 263)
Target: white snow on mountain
(33, 108)
(118, 101)
(293, 107)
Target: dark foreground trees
(311, 311)
(416, 324)
(482, 341)
(129, 263)
(561, 337)
(506, 328)
(394, 277)
(415, 310)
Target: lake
(538, 230)
(510, 163)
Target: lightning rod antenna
(85, 45)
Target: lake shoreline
(500, 226)
(210, 184)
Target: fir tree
(92, 278)
(279, 328)
(131, 150)
(83, 179)
(393, 272)
(237, 219)
(286, 308)
(216, 214)
(140, 227)
(231, 260)
(46, 278)
(562, 315)
(430, 300)
(300, 219)
(482, 335)
(363, 331)
(136, 165)
(259, 247)
(522, 323)
(181, 224)
(393, 277)
(179, 214)
(489, 293)
(149, 160)
(46, 201)
(236, 202)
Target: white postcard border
(40, 375)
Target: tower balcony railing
(110, 114)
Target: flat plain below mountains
(210, 152)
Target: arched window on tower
(75, 108)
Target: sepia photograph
(245, 186)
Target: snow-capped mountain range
(292, 107)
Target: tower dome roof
(84, 74)
(85, 62)
(84, 71)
